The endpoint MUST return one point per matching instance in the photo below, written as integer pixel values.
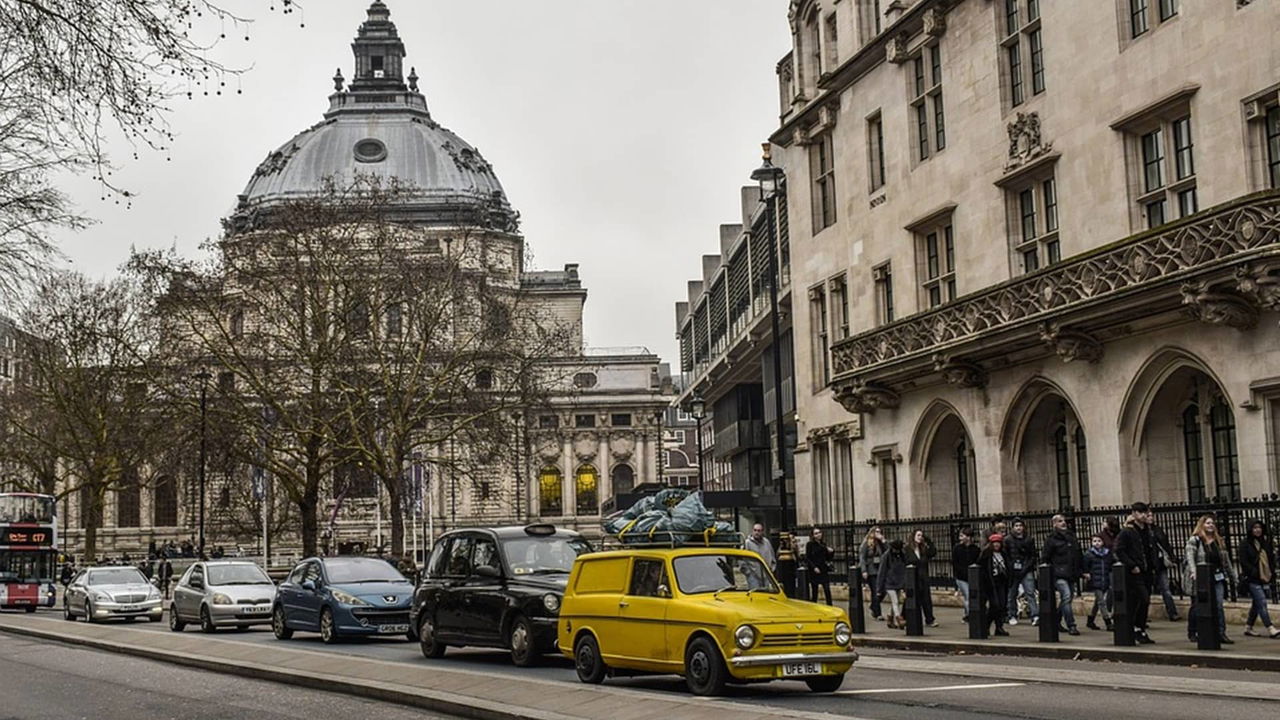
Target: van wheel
(587, 661)
(432, 649)
(825, 683)
(704, 670)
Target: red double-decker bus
(28, 550)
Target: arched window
(1062, 466)
(585, 487)
(1226, 463)
(623, 479)
(550, 492)
(962, 475)
(1082, 468)
(164, 505)
(1193, 454)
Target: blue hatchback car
(343, 597)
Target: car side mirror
(309, 585)
(664, 591)
(488, 571)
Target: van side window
(646, 576)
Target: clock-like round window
(371, 151)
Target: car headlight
(844, 634)
(220, 599)
(744, 636)
(100, 596)
(154, 594)
(551, 602)
(347, 598)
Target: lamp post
(770, 178)
(698, 409)
(203, 376)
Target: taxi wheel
(175, 622)
(704, 670)
(431, 648)
(328, 630)
(825, 683)
(206, 621)
(520, 640)
(281, 630)
(587, 661)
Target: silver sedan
(222, 593)
(100, 593)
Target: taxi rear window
(606, 575)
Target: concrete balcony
(740, 437)
(1220, 266)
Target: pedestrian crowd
(1010, 560)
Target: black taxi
(495, 587)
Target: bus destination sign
(26, 536)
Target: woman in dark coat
(995, 582)
(1257, 568)
(919, 551)
(892, 579)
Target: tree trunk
(310, 526)
(394, 497)
(91, 519)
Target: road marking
(939, 688)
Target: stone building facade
(601, 428)
(1036, 251)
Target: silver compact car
(222, 593)
(102, 593)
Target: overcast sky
(621, 130)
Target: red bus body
(28, 550)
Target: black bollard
(802, 582)
(977, 605)
(857, 615)
(1048, 605)
(1206, 610)
(1122, 616)
(911, 607)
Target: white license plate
(258, 609)
(393, 629)
(801, 669)
(130, 608)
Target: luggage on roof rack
(673, 517)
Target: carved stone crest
(867, 397)
(622, 447)
(1219, 306)
(935, 22)
(961, 373)
(896, 49)
(585, 447)
(1071, 345)
(549, 451)
(1025, 140)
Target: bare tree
(85, 411)
(73, 72)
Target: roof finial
(413, 79)
(338, 80)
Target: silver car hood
(266, 593)
(124, 589)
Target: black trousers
(924, 593)
(822, 581)
(876, 596)
(1140, 602)
(996, 599)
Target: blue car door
(311, 600)
(288, 596)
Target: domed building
(596, 435)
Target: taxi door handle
(623, 603)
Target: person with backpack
(1020, 551)
(817, 561)
(870, 553)
(963, 554)
(1097, 567)
(995, 582)
(1257, 570)
(1062, 554)
(1205, 547)
(891, 581)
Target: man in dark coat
(1135, 549)
(1062, 554)
(817, 560)
(1020, 551)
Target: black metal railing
(1177, 520)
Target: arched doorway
(622, 480)
(550, 492)
(943, 459)
(1044, 450)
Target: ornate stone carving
(1261, 284)
(864, 397)
(896, 49)
(275, 162)
(960, 372)
(622, 447)
(800, 137)
(787, 71)
(1214, 240)
(585, 446)
(1071, 345)
(466, 158)
(935, 22)
(549, 451)
(1222, 306)
(1025, 140)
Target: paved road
(49, 681)
(886, 686)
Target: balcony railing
(1223, 265)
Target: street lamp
(770, 179)
(698, 408)
(203, 376)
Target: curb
(442, 702)
(1205, 659)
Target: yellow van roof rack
(655, 538)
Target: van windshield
(727, 573)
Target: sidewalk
(1171, 648)
(429, 685)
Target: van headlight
(551, 602)
(844, 634)
(744, 636)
